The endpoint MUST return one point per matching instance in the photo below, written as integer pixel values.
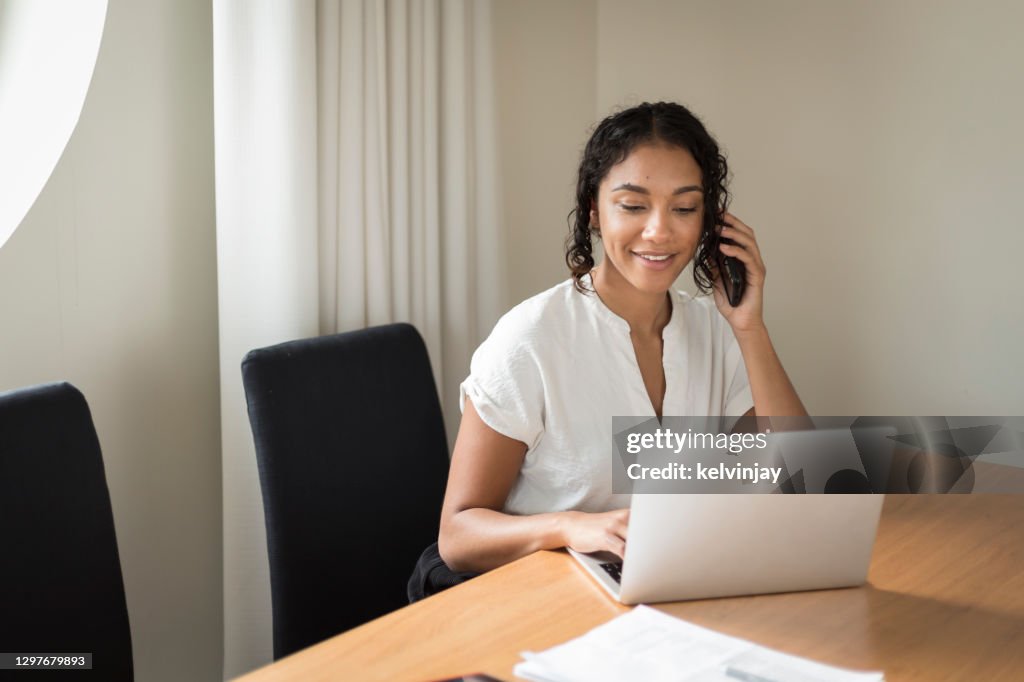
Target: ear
(594, 223)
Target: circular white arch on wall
(48, 51)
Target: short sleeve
(738, 398)
(505, 382)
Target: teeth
(655, 258)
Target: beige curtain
(355, 160)
(407, 206)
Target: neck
(646, 313)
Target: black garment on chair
(432, 575)
(62, 590)
(353, 461)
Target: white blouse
(559, 365)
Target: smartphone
(732, 272)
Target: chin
(653, 283)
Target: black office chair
(60, 573)
(353, 461)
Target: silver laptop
(697, 546)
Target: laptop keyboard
(614, 570)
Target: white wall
(546, 85)
(110, 283)
(875, 148)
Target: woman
(531, 467)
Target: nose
(657, 229)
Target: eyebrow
(630, 187)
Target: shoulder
(522, 349)
(699, 313)
(696, 307)
(541, 318)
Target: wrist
(755, 334)
(562, 532)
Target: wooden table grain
(945, 601)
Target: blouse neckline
(672, 331)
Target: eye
(685, 210)
(631, 208)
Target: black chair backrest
(59, 567)
(353, 462)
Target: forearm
(773, 393)
(480, 539)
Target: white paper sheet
(646, 644)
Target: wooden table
(945, 602)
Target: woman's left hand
(747, 316)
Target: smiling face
(649, 210)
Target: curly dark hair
(613, 140)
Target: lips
(654, 260)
